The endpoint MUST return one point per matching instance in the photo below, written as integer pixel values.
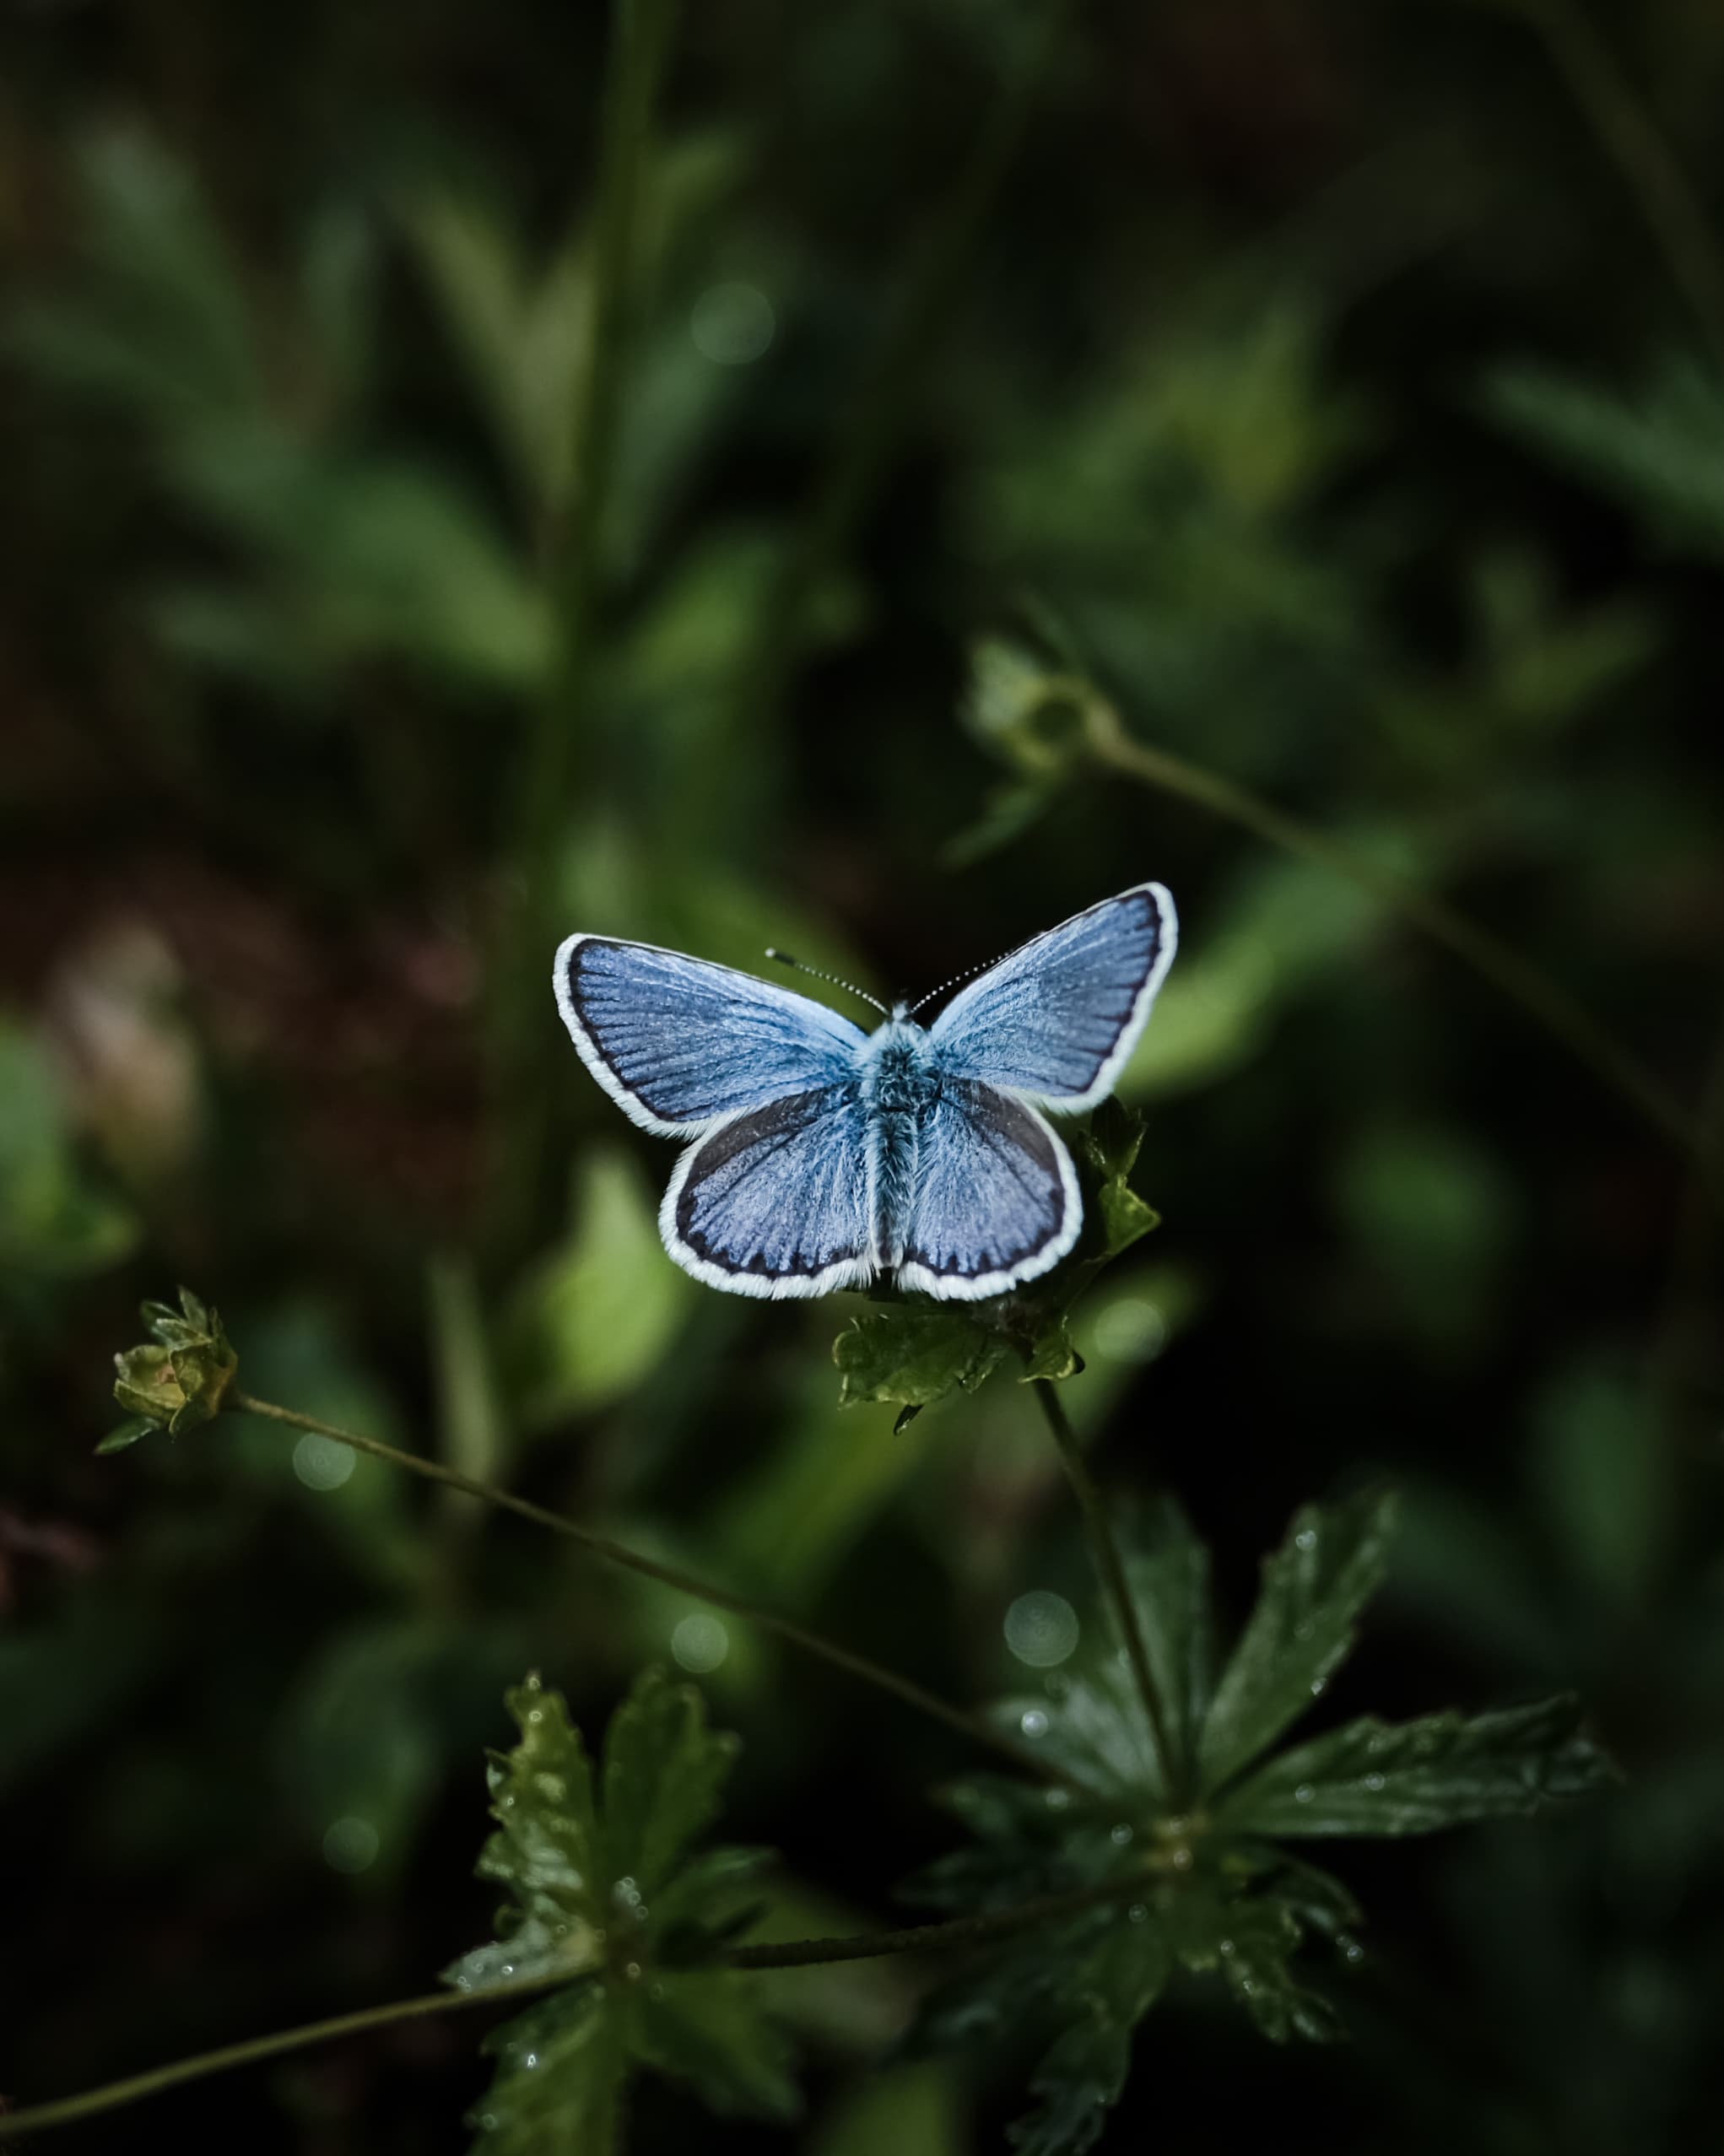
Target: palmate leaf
(1201, 1884)
(910, 1352)
(602, 1887)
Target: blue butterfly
(828, 1157)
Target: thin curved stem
(670, 1575)
(1631, 138)
(795, 1953)
(1492, 959)
(112, 2095)
(1114, 1583)
(935, 1938)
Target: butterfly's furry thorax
(898, 1088)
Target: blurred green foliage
(1313, 379)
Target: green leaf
(1053, 1356)
(1080, 2076)
(913, 1356)
(602, 1888)
(709, 2028)
(1249, 1940)
(664, 1771)
(1372, 1777)
(561, 2069)
(547, 1851)
(1167, 1569)
(181, 1378)
(1106, 1150)
(1301, 1630)
(595, 1316)
(128, 1433)
(1089, 1719)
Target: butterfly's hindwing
(1058, 1018)
(680, 1045)
(774, 1201)
(997, 1201)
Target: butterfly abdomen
(900, 1087)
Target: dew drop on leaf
(1033, 1722)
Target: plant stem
(112, 2095)
(640, 37)
(862, 443)
(934, 1939)
(795, 1953)
(1492, 959)
(1630, 136)
(1106, 1554)
(814, 1643)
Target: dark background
(1342, 383)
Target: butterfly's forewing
(680, 1044)
(996, 1200)
(774, 1201)
(1058, 1018)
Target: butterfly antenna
(969, 972)
(848, 987)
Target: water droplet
(699, 1643)
(1317, 1684)
(655, 1992)
(1182, 1857)
(530, 2061)
(1248, 1986)
(1119, 1835)
(1041, 1629)
(1373, 1782)
(1138, 1914)
(1056, 1800)
(1033, 1722)
(1307, 1538)
(1352, 1949)
(1304, 1793)
(631, 1969)
(535, 1715)
(1227, 1946)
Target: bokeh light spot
(699, 1643)
(1041, 1629)
(350, 1844)
(321, 1463)
(1131, 1330)
(732, 324)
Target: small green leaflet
(604, 1889)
